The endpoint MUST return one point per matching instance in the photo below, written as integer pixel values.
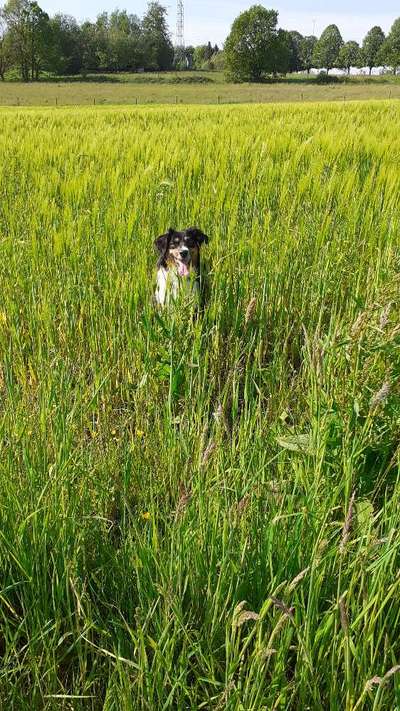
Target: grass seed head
(288, 611)
(208, 452)
(347, 524)
(218, 413)
(380, 397)
(185, 497)
(240, 615)
(298, 579)
(245, 616)
(358, 325)
(250, 311)
(384, 319)
(378, 680)
(243, 504)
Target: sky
(211, 19)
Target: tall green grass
(200, 513)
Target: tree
(159, 52)
(295, 61)
(204, 54)
(350, 55)
(66, 55)
(390, 51)
(199, 55)
(209, 50)
(251, 48)
(327, 49)
(29, 36)
(113, 43)
(283, 55)
(5, 49)
(306, 52)
(219, 61)
(124, 41)
(90, 48)
(101, 42)
(372, 46)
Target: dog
(179, 263)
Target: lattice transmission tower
(180, 24)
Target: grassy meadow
(200, 513)
(190, 88)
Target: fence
(219, 99)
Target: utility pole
(180, 25)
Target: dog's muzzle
(184, 261)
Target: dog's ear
(198, 235)
(161, 244)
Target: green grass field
(200, 513)
(189, 88)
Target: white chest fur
(168, 285)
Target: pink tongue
(183, 269)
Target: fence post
(94, 102)
(219, 99)
(56, 101)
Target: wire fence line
(219, 99)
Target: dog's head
(180, 250)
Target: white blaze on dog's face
(179, 255)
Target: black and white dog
(178, 263)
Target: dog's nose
(184, 252)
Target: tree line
(256, 48)
(31, 43)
